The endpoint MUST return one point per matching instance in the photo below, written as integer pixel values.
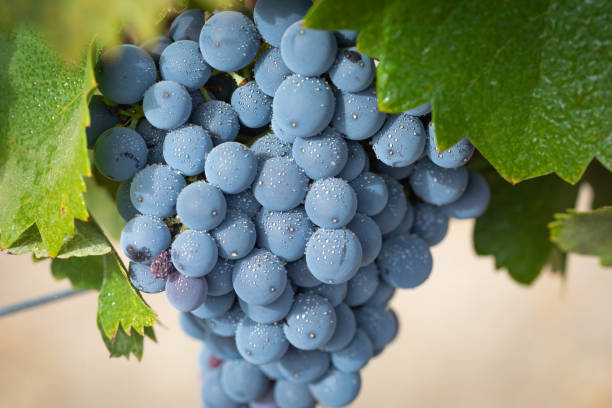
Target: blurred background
(469, 337)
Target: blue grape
(244, 201)
(194, 253)
(231, 166)
(154, 138)
(299, 274)
(357, 115)
(303, 106)
(144, 237)
(254, 107)
(142, 278)
(197, 99)
(265, 401)
(220, 278)
(193, 326)
(154, 190)
(302, 367)
(269, 146)
(208, 361)
(201, 206)
(377, 323)
(124, 73)
(473, 202)
(372, 193)
(306, 51)
(279, 133)
(391, 216)
(215, 306)
(119, 153)
(123, 201)
(226, 325)
(167, 105)
(356, 162)
(336, 388)
(455, 156)
(437, 185)
(400, 141)
(213, 394)
(405, 224)
(292, 395)
(331, 203)
(334, 294)
(398, 173)
(272, 312)
(222, 346)
(221, 86)
(346, 38)
(273, 17)
(352, 71)
(310, 323)
(272, 370)
(187, 25)
(155, 46)
(182, 62)
(280, 185)
(345, 329)
(420, 110)
(284, 233)
(369, 235)
(235, 236)
(321, 156)
(333, 255)
(219, 119)
(430, 223)
(382, 295)
(362, 286)
(186, 148)
(260, 343)
(270, 71)
(243, 381)
(260, 278)
(185, 293)
(229, 41)
(101, 119)
(405, 261)
(355, 355)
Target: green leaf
(119, 303)
(588, 233)
(100, 200)
(514, 228)
(83, 272)
(88, 240)
(527, 82)
(123, 345)
(43, 152)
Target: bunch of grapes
(283, 255)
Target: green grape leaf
(528, 82)
(87, 240)
(100, 200)
(119, 304)
(588, 233)
(123, 345)
(514, 228)
(43, 152)
(83, 272)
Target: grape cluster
(282, 256)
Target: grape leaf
(124, 345)
(119, 303)
(100, 201)
(83, 272)
(43, 152)
(527, 82)
(87, 240)
(588, 233)
(514, 228)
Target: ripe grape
(306, 51)
(281, 185)
(119, 153)
(154, 190)
(167, 105)
(273, 17)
